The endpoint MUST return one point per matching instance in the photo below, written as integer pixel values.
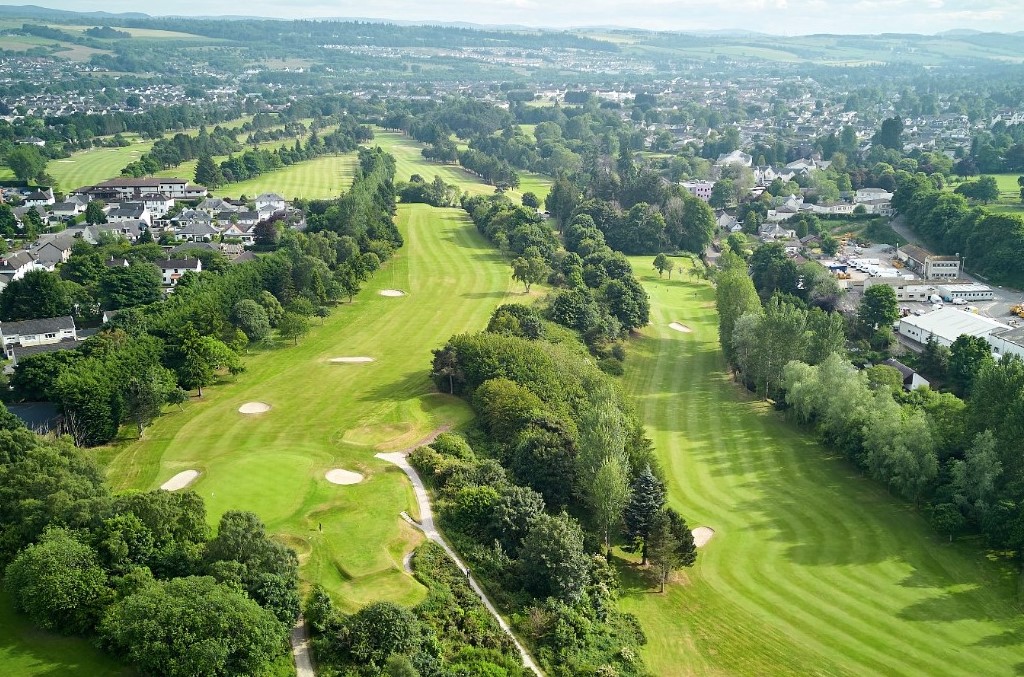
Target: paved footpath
(300, 649)
(426, 525)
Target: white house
(737, 157)
(157, 204)
(40, 198)
(272, 201)
(29, 333)
(911, 379)
(129, 211)
(17, 264)
(66, 210)
(171, 270)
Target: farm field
(812, 569)
(328, 415)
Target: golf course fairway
(813, 569)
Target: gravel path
(300, 649)
(426, 524)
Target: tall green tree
(293, 326)
(529, 270)
(967, 355)
(647, 498)
(94, 213)
(199, 358)
(26, 161)
(552, 560)
(735, 296)
(609, 494)
(208, 173)
(38, 294)
(878, 309)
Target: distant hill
(37, 12)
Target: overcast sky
(788, 17)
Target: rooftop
(950, 322)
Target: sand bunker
(701, 536)
(339, 476)
(253, 408)
(392, 292)
(350, 360)
(180, 481)
(680, 327)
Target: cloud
(771, 16)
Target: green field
(95, 165)
(1009, 194)
(813, 569)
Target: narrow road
(426, 525)
(300, 649)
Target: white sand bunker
(339, 476)
(180, 481)
(680, 327)
(253, 408)
(350, 360)
(701, 536)
(392, 292)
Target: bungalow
(29, 333)
(242, 218)
(213, 205)
(66, 210)
(196, 231)
(171, 270)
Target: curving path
(426, 525)
(300, 649)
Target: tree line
(957, 460)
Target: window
(49, 336)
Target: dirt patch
(254, 408)
(392, 292)
(339, 476)
(180, 481)
(680, 327)
(701, 536)
(350, 360)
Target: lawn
(813, 569)
(95, 165)
(25, 650)
(338, 415)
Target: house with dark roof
(196, 231)
(17, 264)
(171, 270)
(129, 211)
(911, 379)
(48, 331)
(129, 188)
(40, 198)
(39, 417)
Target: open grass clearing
(813, 568)
(321, 178)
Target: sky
(783, 17)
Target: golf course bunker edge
(180, 481)
(350, 360)
(701, 536)
(340, 476)
(391, 292)
(254, 408)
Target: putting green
(813, 569)
(327, 417)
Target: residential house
(196, 231)
(30, 333)
(62, 211)
(244, 233)
(699, 189)
(17, 264)
(213, 205)
(911, 379)
(129, 230)
(40, 198)
(737, 157)
(129, 211)
(157, 204)
(272, 201)
(32, 141)
(117, 262)
(54, 250)
(171, 270)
